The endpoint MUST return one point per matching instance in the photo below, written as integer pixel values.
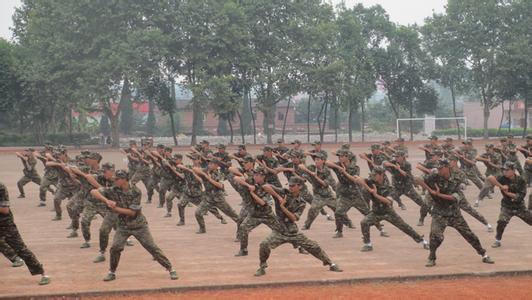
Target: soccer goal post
(420, 128)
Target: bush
(7, 139)
(476, 132)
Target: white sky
(400, 11)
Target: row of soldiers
(265, 201)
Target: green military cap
(241, 147)
(121, 174)
(168, 149)
(108, 166)
(132, 142)
(205, 142)
(399, 153)
(94, 155)
(297, 153)
(296, 180)
(248, 158)
(318, 155)
(343, 152)
(84, 167)
(267, 149)
(296, 142)
(510, 136)
(508, 166)
(315, 143)
(378, 170)
(443, 163)
(400, 139)
(280, 141)
(220, 146)
(375, 147)
(386, 143)
(178, 156)
(260, 171)
(160, 146)
(489, 146)
(449, 139)
(346, 146)
(529, 137)
(503, 140)
(433, 137)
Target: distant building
(474, 112)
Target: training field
(207, 261)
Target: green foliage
(476, 132)
(64, 139)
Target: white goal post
(429, 123)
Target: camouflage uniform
(11, 237)
(495, 159)
(471, 171)
(131, 164)
(76, 204)
(50, 177)
(127, 226)
(256, 214)
(7, 251)
(224, 159)
(432, 148)
(348, 195)
(280, 151)
(404, 185)
(95, 207)
(323, 196)
(464, 204)
(447, 213)
(512, 207)
(290, 233)
(66, 189)
(192, 193)
(527, 170)
(143, 173)
(512, 157)
(380, 211)
(214, 198)
(167, 183)
(272, 163)
(30, 174)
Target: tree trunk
(396, 113)
(308, 118)
(242, 133)
(324, 122)
(150, 122)
(231, 141)
(115, 130)
(319, 118)
(245, 117)
(197, 119)
(453, 98)
(510, 117)
(171, 113)
(486, 118)
(502, 120)
(335, 124)
(411, 122)
(349, 121)
(172, 123)
(526, 116)
(252, 119)
(363, 119)
(285, 115)
(70, 137)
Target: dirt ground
(208, 260)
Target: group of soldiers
(94, 188)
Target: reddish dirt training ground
(208, 260)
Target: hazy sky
(400, 11)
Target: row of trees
(103, 55)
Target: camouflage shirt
(6, 220)
(127, 199)
(516, 185)
(431, 148)
(226, 161)
(272, 163)
(29, 166)
(193, 187)
(49, 172)
(450, 186)
(377, 159)
(470, 154)
(398, 178)
(324, 174)
(295, 205)
(255, 209)
(495, 159)
(346, 186)
(210, 189)
(384, 190)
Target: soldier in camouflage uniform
(223, 158)
(467, 155)
(280, 152)
(464, 204)
(526, 150)
(400, 146)
(93, 206)
(10, 235)
(67, 183)
(50, 176)
(444, 187)
(289, 206)
(258, 204)
(204, 151)
(132, 157)
(30, 173)
(493, 162)
(387, 149)
(214, 194)
(512, 157)
(143, 170)
(427, 168)
(240, 154)
(513, 189)
(124, 199)
(382, 209)
(172, 181)
(270, 163)
(193, 190)
(448, 147)
(320, 177)
(430, 147)
(403, 183)
(156, 157)
(317, 149)
(347, 191)
(166, 177)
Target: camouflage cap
(296, 180)
(280, 141)
(399, 153)
(220, 146)
(160, 146)
(386, 143)
(94, 155)
(193, 156)
(318, 155)
(443, 163)
(346, 146)
(267, 149)
(30, 150)
(121, 174)
(297, 153)
(375, 147)
(248, 158)
(503, 140)
(468, 142)
(178, 156)
(298, 142)
(343, 152)
(241, 147)
(529, 137)
(108, 166)
(132, 142)
(508, 166)
(168, 149)
(204, 142)
(400, 140)
(433, 137)
(315, 143)
(489, 146)
(260, 171)
(449, 139)
(510, 136)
